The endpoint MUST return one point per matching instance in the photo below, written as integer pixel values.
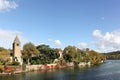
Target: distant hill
(115, 55)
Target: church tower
(17, 56)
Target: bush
(15, 63)
(23, 67)
(33, 62)
(38, 62)
(1, 68)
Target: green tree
(95, 57)
(60, 52)
(85, 57)
(47, 53)
(70, 52)
(29, 50)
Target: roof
(16, 40)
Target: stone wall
(84, 64)
(70, 64)
(41, 67)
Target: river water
(110, 70)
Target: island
(42, 57)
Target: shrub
(33, 62)
(23, 67)
(15, 63)
(1, 68)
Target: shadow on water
(8, 77)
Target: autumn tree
(95, 57)
(29, 50)
(4, 56)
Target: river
(110, 70)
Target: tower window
(17, 44)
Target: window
(17, 44)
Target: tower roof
(16, 40)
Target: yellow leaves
(4, 56)
(4, 52)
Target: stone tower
(17, 56)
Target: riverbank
(110, 70)
(28, 68)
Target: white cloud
(7, 37)
(7, 5)
(36, 44)
(82, 45)
(97, 33)
(108, 42)
(58, 43)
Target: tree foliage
(29, 50)
(70, 53)
(47, 55)
(73, 54)
(4, 56)
(95, 57)
(43, 54)
(115, 55)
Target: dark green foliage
(70, 54)
(113, 55)
(23, 67)
(42, 59)
(68, 57)
(1, 68)
(15, 63)
(33, 61)
(47, 54)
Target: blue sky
(58, 23)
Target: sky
(93, 24)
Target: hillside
(113, 55)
